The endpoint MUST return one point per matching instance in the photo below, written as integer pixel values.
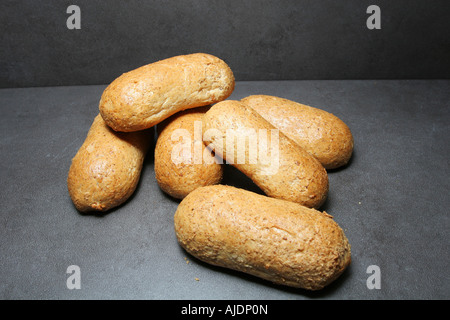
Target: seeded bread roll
(141, 98)
(285, 171)
(106, 169)
(317, 131)
(182, 161)
(273, 239)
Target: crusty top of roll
(143, 97)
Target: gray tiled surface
(392, 201)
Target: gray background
(260, 40)
(391, 200)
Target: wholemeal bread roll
(287, 172)
(317, 131)
(141, 98)
(273, 239)
(182, 162)
(106, 169)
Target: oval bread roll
(106, 169)
(288, 172)
(319, 132)
(273, 239)
(141, 98)
(182, 162)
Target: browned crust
(106, 169)
(300, 177)
(277, 240)
(179, 178)
(317, 131)
(143, 97)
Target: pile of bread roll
(280, 236)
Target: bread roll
(182, 162)
(106, 169)
(273, 239)
(285, 171)
(141, 98)
(319, 132)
